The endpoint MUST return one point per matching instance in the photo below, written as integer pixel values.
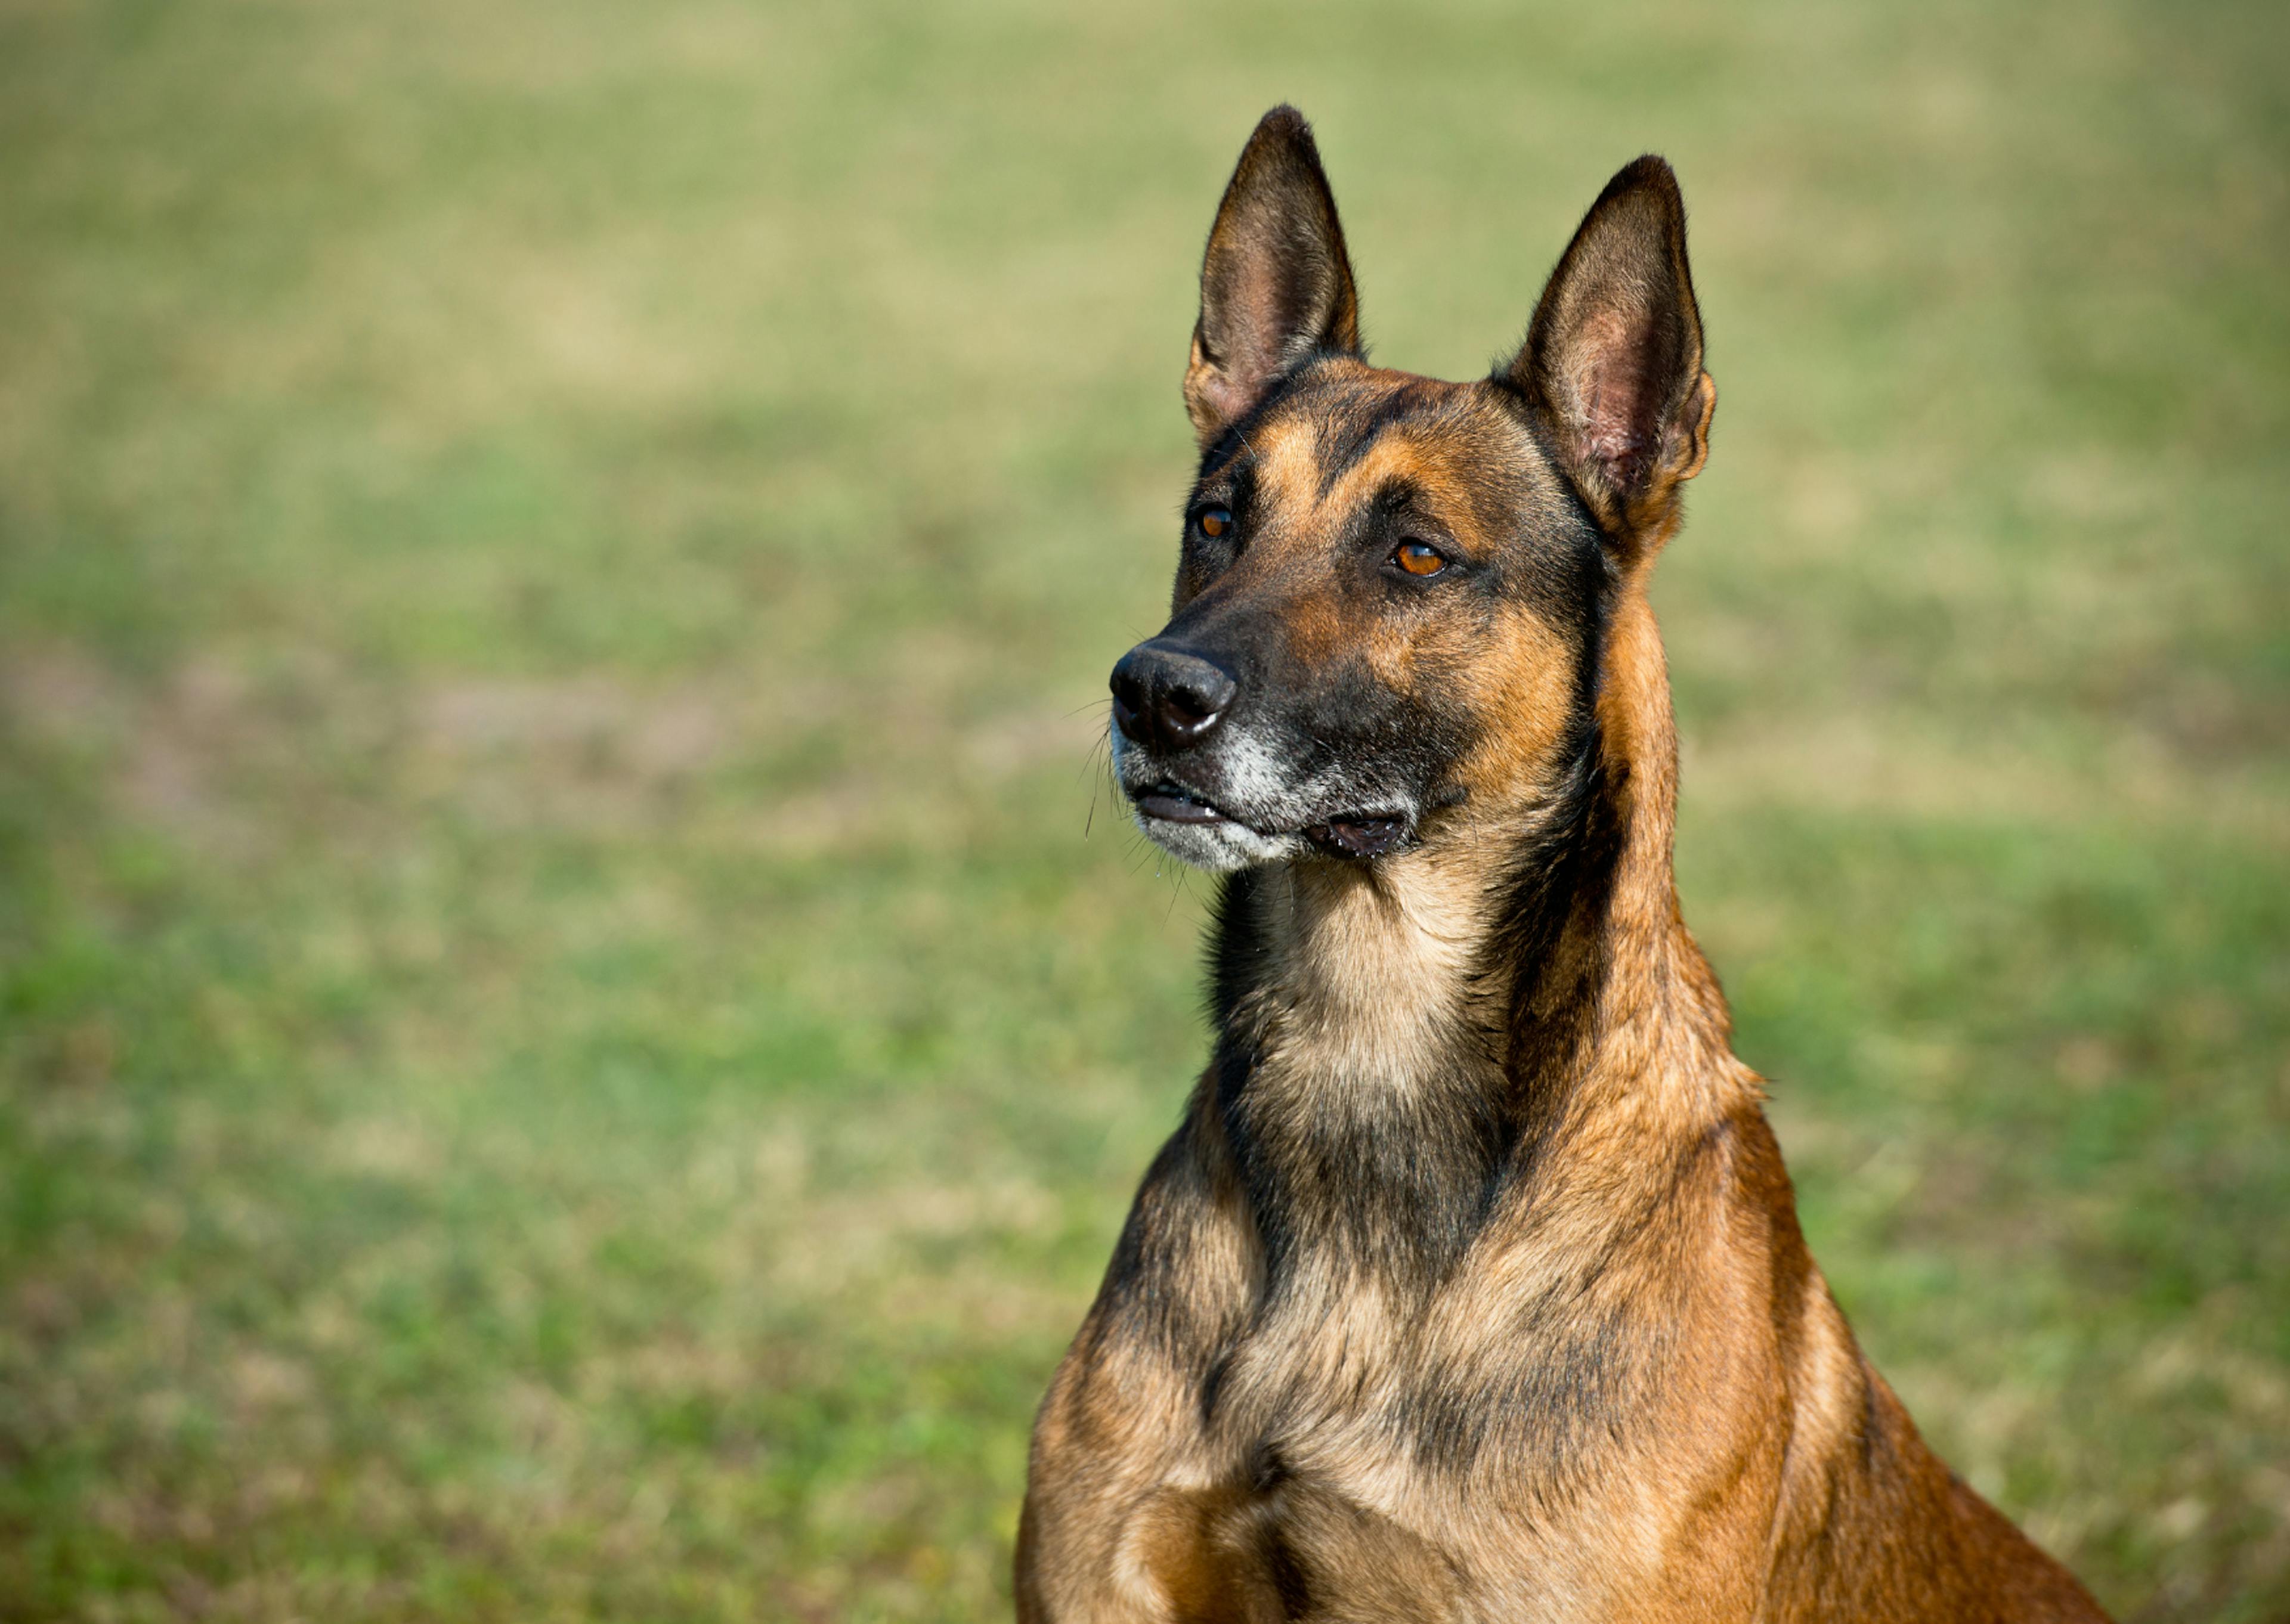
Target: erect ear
(1275, 284)
(1613, 358)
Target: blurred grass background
(569, 1044)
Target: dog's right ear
(1276, 285)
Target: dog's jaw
(1241, 809)
(1222, 847)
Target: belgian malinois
(1471, 1286)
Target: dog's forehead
(1348, 435)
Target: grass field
(570, 1046)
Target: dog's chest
(1323, 1543)
(1343, 1467)
(1241, 1553)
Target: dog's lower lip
(1175, 806)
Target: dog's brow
(1238, 478)
(1233, 467)
(1398, 493)
(1363, 432)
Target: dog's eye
(1214, 521)
(1419, 558)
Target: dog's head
(1389, 601)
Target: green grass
(569, 1044)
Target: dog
(1471, 1285)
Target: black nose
(1168, 700)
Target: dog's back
(1471, 1285)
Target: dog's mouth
(1353, 834)
(1172, 804)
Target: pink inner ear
(1259, 324)
(1264, 321)
(1609, 406)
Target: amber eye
(1214, 521)
(1419, 558)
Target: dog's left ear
(1276, 283)
(1612, 361)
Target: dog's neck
(1406, 1045)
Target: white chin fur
(1251, 777)
(1218, 847)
